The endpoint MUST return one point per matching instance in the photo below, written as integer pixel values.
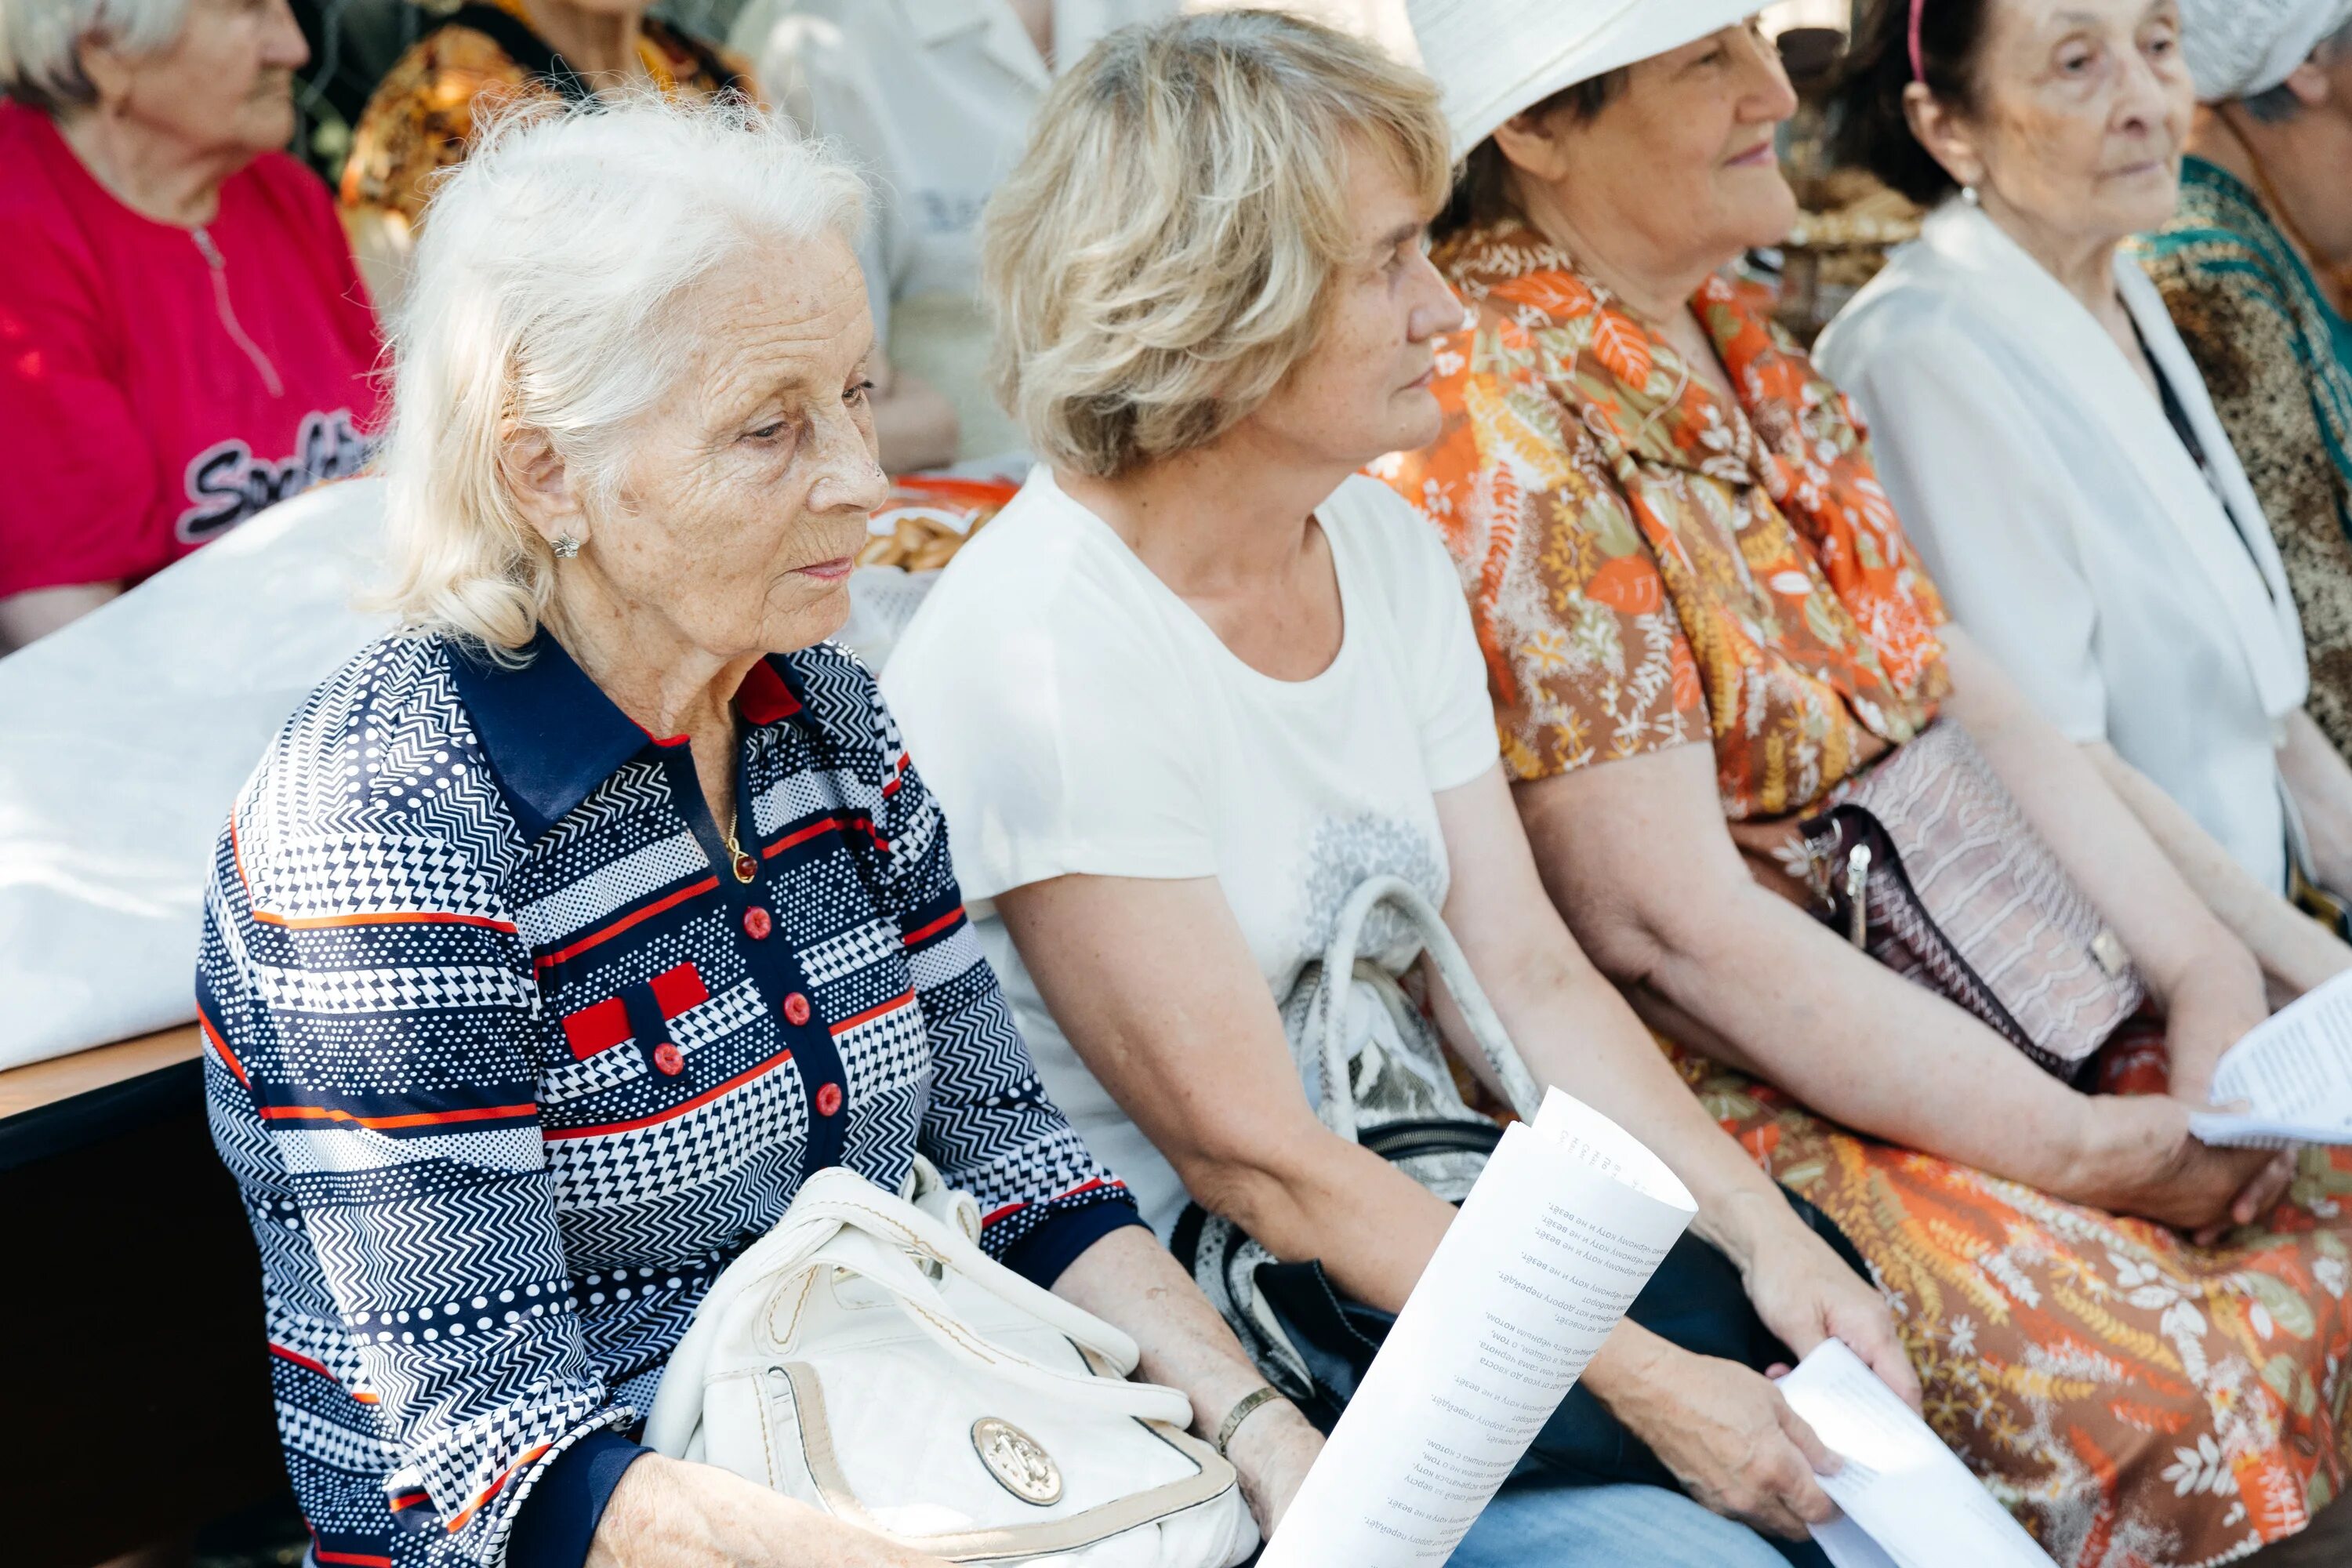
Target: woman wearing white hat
(1704, 625)
(2256, 270)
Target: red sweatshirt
(159, 384)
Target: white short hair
(40, 43)
(541, 299)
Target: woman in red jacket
(184, 340)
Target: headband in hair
(1919, 57)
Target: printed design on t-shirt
(1381, 1068)
(1341, 853)
(226, 483)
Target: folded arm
(1575, 1030)
(1662, 900)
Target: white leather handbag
(867, 1358)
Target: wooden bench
(130, 1302)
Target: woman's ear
(1947, 137)
(2310, 83)
(103, 67)
(1534, 145)
(541, 485)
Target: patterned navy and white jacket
(510, 1056)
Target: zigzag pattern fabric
(511, 1055)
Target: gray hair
(2279, 104)
(544, 298)
(40, 43)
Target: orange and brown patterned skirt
(2137, 1401)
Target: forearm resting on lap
(1664, 902)
(667, 1513)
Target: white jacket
(2069, 529)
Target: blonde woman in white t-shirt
(1197, 681)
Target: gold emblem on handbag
(1926, 863)
(867, 1358)
(1014, 1457)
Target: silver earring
(1968, 194)
(566, 547)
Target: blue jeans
(1537, 1522)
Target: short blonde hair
(544, 298)
(1162, 256)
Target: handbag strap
(838, 1199)
(1452, 967)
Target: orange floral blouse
(1649, 564)
(421, 118)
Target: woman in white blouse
(1197, 682)
(2041, 428)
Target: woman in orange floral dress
(486, 55)
(1701, 619)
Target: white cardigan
(2067, 525)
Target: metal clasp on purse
(1857, 889)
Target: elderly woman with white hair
(1197, 684)
(560, 935)
(2255, 268)
(184, 340)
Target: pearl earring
(566, 547)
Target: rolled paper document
(1568, 1222)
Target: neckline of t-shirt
(1189, 618)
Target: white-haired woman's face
(2081, 110)
(744, 494)
(1363, 390)
(225, 84)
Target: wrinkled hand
(2165, 1174)
(1805, 1293)
(1272, 1451)
(2195, 1037)
(1731, 1440)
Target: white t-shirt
(1073, 715)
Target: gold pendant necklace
(744, 867)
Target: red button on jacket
(758, 922)
(669, 1059)
(828, 1100)
(796, 1009)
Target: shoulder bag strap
(1453, 968)
(525, 47)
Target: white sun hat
(1493, 58)
(2239, 48)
